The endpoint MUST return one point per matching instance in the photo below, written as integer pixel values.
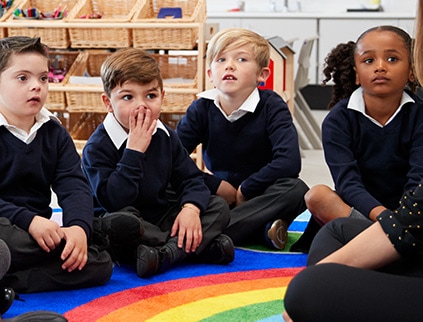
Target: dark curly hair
(339, 65)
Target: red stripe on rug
(105, 305)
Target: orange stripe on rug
(125, 300)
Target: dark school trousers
(282, 200)
(34, 270)
(335, 292)
(213, 221)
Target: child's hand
(227, 192)
(75, 253)
(141, 128)
(46, 233)
(240, 198)
(187, 226)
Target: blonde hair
(238, 37)
(418, 45)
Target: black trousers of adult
(335, 292)
(282, 200)
(34, 270)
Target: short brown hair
(129, 64)
(20, 44)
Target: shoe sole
(278, 234)
(38, 316)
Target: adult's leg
(283, 200)
(334, 235)
(334, 292)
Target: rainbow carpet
(251, 288)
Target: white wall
(313, 5)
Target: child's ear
(209, 74)
(263, 75)
(357, 79)
(411, 76)
(107, 103)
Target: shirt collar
(356, 103)
(43, 116)
(118, 134)
(249, 104)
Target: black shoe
(116, 229)
(38, 316)
(148, 260)
(220, 251)
(276, 234)
(152, 260)
(6, 299)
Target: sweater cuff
(403, 241)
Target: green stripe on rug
(253, 312)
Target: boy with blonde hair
(249, 142)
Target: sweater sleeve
(337, 141)
(113, 175)
(71, 187)
(404, 225)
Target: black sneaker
(116, 229)
(38, 316)
(220, 251)
(276, 234)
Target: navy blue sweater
(373, 165)
(30, 171)
(254, 151)
(125, 177)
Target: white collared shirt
(42, 117)
(356, 103)
(249, 105)
(118, 134)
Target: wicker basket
(56, 99)
(6, 15)
(178, 71)
(92, 36)
(86, 97)
(174, 36)
(54, 37)
(176, 102)
(86, 110)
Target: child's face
(23, 88)
(131, 96)
(382, 64)
(235, 71)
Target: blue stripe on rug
(124, 278)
